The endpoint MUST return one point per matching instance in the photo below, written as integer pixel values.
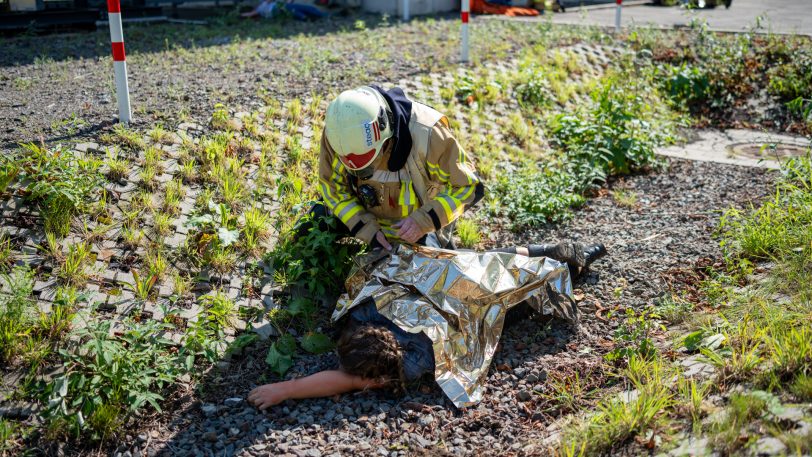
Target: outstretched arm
(321, 384)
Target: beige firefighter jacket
(433, 188)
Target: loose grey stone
(209, 409)
(768, 446)
(233, 401)
(524, 395)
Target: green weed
(6, 254)
(117, 169)
(111, 377)
(72, 269)
(17, 312)
(625, 198)
(469, 234)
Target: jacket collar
(402, 112)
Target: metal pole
(405, 8)
(465, 11)
(119, 61)
(617, 15)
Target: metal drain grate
(767, 150)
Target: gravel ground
(60, 87)
(670, 227)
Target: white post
(119, 61)
(405, 9)
(617, 15)
(465, 11)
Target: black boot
(593, 252)
(576, 255)
(565, 251)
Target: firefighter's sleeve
(447, 164)
(334, 183)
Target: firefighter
(391, 170)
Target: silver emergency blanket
(459, 300)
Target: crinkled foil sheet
(459, 300)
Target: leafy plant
(111, 377)
(142, 286)
(61, 181)
(634, 335)
(317, 260)
(686, 85)
(280, 354)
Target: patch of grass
(72, 270)
(618, 420)
(17, 312)
(468, 231)
(6, 253)
(143, 285)
(117, 169)
(625, 198)
(125, 137)
(742, 410)
(162, 223)
(159, 135)
(802, 387)
(674, 309)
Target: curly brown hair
(371, 352)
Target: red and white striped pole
(119, 61)
(617, 15)
(465, 11)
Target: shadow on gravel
(222, 30)
(217, 420)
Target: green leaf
(693, 340)
(317, 343)
(286, 344)
(714, 342)
(278, 362)
(228, 237)
(301, 305)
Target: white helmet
(357, 124)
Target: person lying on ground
(375, 353)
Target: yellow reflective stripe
(328, 196)
(404, 206)
(448, 212)
(464, 193)
(346, 210)
(437, 170)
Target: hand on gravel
(264, 397)
(409, 230)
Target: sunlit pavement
(782, 16)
